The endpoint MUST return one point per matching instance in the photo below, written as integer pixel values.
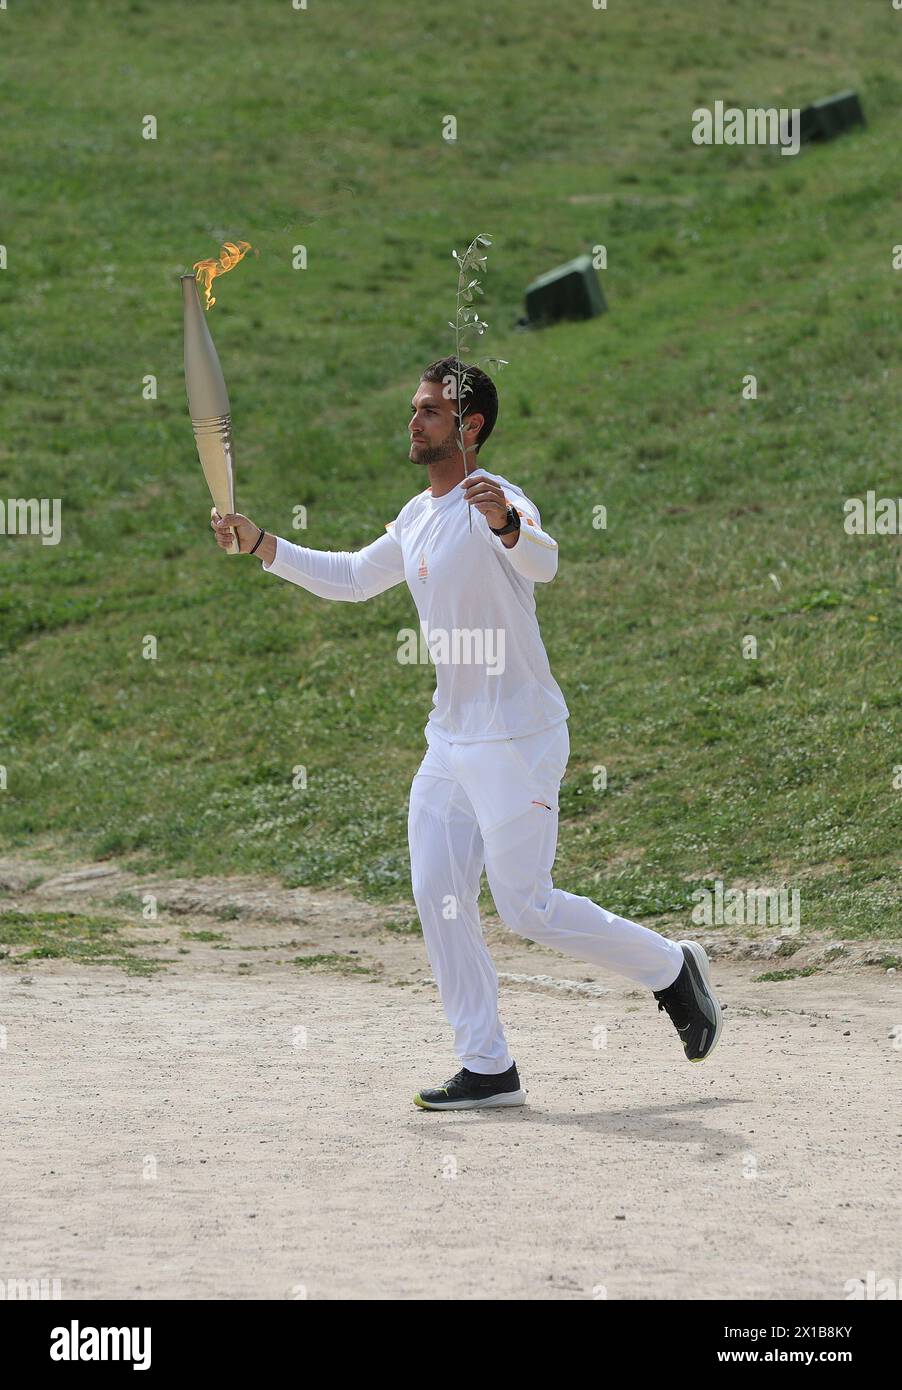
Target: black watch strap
(512, 523)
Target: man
(486, 792)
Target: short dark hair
(477, 391)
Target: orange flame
(205, 272)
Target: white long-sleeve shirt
(474, 597)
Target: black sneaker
(471, 1090)
(690, 1002)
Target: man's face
(433, 429)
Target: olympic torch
(208, 399)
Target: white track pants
(494, 805)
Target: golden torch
(208, 399)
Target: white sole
(699, 955)
(490, 1102)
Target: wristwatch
(511, 524)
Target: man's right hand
(234, 524)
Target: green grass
(231, 912)
(409, 927)
(780, 975)
(335, 962)
(131, 902)
(724, 516)
(73, 936)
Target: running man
(486, 793)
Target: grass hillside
(725, 516)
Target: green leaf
(824, 598)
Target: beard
(435, 453)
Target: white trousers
(494, 805)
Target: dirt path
(238, 1126)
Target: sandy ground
(238, 1127)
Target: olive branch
(465, 318)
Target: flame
(205, 272)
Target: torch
(208, 399)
